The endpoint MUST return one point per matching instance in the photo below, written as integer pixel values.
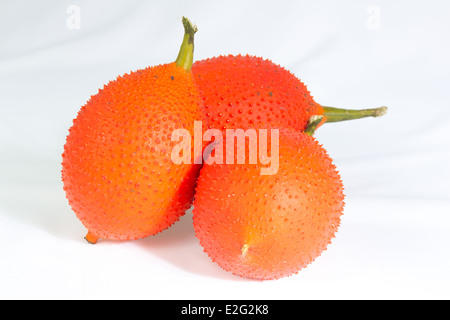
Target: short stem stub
(244, 250)
(312, 125)
(91, 238)
(185, 57)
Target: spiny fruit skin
(270, 226)
(117, 170)
(251, 92)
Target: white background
(395, 233)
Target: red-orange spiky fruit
(117, 169)
(270, 226)
(251, 92)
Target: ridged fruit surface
(243, 91)
(117, 169)
(270, 226)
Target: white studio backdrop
(394, 239)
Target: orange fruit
(270, 226)
(251, 92)
(117, 170)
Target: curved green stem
(313, 122)
(336, 114)
(331, 114)
(186, 55)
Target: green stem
(186, 55)
(335, 114)
(313, 122)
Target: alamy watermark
(214, 151)
(374, 18)
(73, 21)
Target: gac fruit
(117, 170)
(251, 92)
(270, 226)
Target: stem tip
(381, 111)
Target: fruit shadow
(32, 195)
(179, 246)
